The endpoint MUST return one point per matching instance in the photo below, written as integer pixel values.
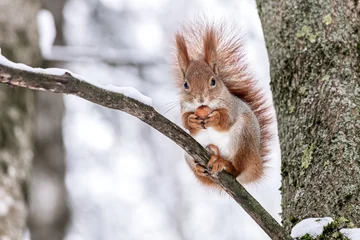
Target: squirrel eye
(213, 82)
(186, 85)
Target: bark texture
(19, 41)
(314, 51)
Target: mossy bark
(314, 52)
(19, 42)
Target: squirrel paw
(212, 149)
(216, 163)
(201, 171)
(195, 122)
(212, 120)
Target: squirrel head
(202, 84)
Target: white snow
(6, 202)
(49, 71)
(26, 235)
(351, 233)
(129, 92)
(47, 31)
(312, 226)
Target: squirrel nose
(201, 99)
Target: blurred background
(102, 174)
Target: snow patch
(47, 31)
(130, 92)
(312, 226)
(6, 202)
(26, 235)
(49, 71)
(351, 233)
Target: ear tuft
(210, 48)
(182, 52)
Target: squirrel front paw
(212, 120)
(217, 164)
(195, 122)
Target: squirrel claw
(212, 160)
(195, 122)
(212, 120)
(218, 164)
(201, 171)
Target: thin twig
(69, 84)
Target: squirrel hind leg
(199, 172)
(203, 176)
(217, 164)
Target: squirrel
(221, 104)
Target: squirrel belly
(220, 139)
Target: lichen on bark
(314, 56)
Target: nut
(203, 112)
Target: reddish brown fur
(210, 46)
(224, 121)
(201, 38)
(183, 58)
(197, 75)
(185, 117)
(217, 163)
(222, 125)
(249, 162)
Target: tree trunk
(314, 49)
(19, 42)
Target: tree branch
(69, 84)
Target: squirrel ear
(210, 47)
(182, 52)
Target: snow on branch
(63, 81)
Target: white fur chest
(219, 139)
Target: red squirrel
(221, 104)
